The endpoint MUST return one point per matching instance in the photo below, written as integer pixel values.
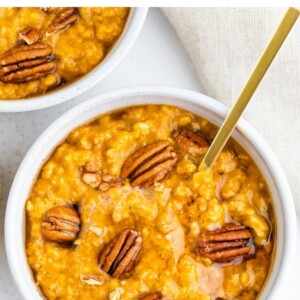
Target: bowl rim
(133, 26)
(13, 238)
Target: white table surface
(157, 57)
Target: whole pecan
(226, 244)
(188, 140)
(119, 256)
(30, 35)
(153, 296)
(65, 18)
(61, 224)
(149, 164)
(98, 180)
(26, 62)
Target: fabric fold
(224, 45)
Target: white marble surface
(156, 58)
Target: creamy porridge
(122, 211)
(45, 48)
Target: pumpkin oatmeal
(122, 211)
(45, 48)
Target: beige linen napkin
(224, 45)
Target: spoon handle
(255, 78)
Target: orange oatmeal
(122, 211)
(44, 48)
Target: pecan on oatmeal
(119, 256)
(30, 35)
(26, 62)
(188, 141)
(98, 180)
(64, 19)
(226, 244)
(93, 279)
(149, 164)
(61, 224)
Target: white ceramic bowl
(130, 33)
(198, 104)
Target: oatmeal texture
(77, 48)
(170, 215)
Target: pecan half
(153, 296)
(64, 19)
(61, 224)
(188, 140)
(30, 35)
(119, 256)
(98, 180)
(26, 62)
(149, 164)
(226, 244)
(25, 53)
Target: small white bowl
(197, 103)
(130, 33)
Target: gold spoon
(255, 78)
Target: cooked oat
(171, 215)
(78, 47)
